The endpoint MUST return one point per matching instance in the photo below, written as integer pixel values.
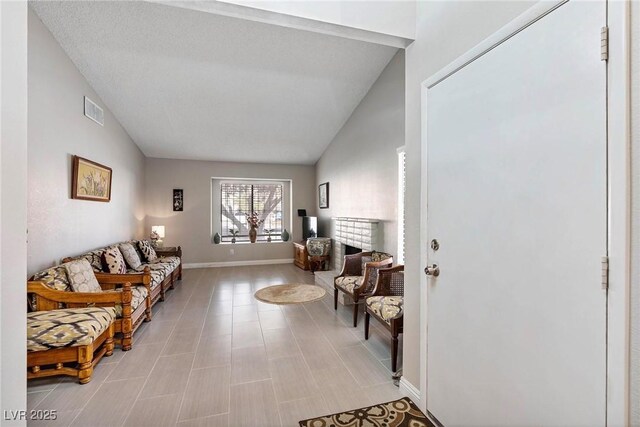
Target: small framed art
(90, 180)
(323, 195)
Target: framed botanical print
(323, 195)
(90, 180)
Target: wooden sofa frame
(50, 299)
(87, 356)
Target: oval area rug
(291, 293)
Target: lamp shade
(159, 230)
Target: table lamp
(157, 235)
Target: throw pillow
(147, 250)
(81, 276)
(55, 278)
(130, 255)
(113, 261)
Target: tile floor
(214, 356)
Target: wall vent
(94, 112)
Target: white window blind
(401, 210)
(238, 200)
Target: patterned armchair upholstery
(386, 304)
(358, 277)
(68, 341)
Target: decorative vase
(216, 238)
(253, 234)
(284, 235)
(233, 239)
(318, 246)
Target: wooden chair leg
(367, 316)
(127, 332)
(108, 344)
(85, 365)
(355, 313)
(162, 291)
(335, 298)
(147, 310)
(394, 353)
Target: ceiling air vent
(94, 112)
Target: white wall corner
(409, 390)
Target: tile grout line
(196, 348)
(156, 362)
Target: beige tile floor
(214, 356)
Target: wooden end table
(318, 262)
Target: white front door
(517, 200)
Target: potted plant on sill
(234, 233)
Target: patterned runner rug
(399, 413)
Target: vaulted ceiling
(195, 85)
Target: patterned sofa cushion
(113, 261)
(81, 276)
(348, 283)
(157, 276)
(55, 278)
(94, 258)
(130, 255)
(172, 261)
(386, 308)
(147, 250)
(69, 327)
(138, 296)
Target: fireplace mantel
(358, 232)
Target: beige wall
(191, 228)
(13, 207)
(444, 31)
(361, 163)
(58, 225)
(635, 226)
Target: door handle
(432, 270)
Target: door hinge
(604, 44)
(605, 273)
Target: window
(239, 199)
(401, 211)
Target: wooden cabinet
(300, 255)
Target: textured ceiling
(195, 85)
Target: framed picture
(178, 200)
(323, 195)
(90, 181)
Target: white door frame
(619, 186)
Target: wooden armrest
(175, 251)
(143, 277)
(116, 297)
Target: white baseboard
(409, 390)
(237, 263)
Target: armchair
(358, 277)
(386, 305)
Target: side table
(318, 262)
